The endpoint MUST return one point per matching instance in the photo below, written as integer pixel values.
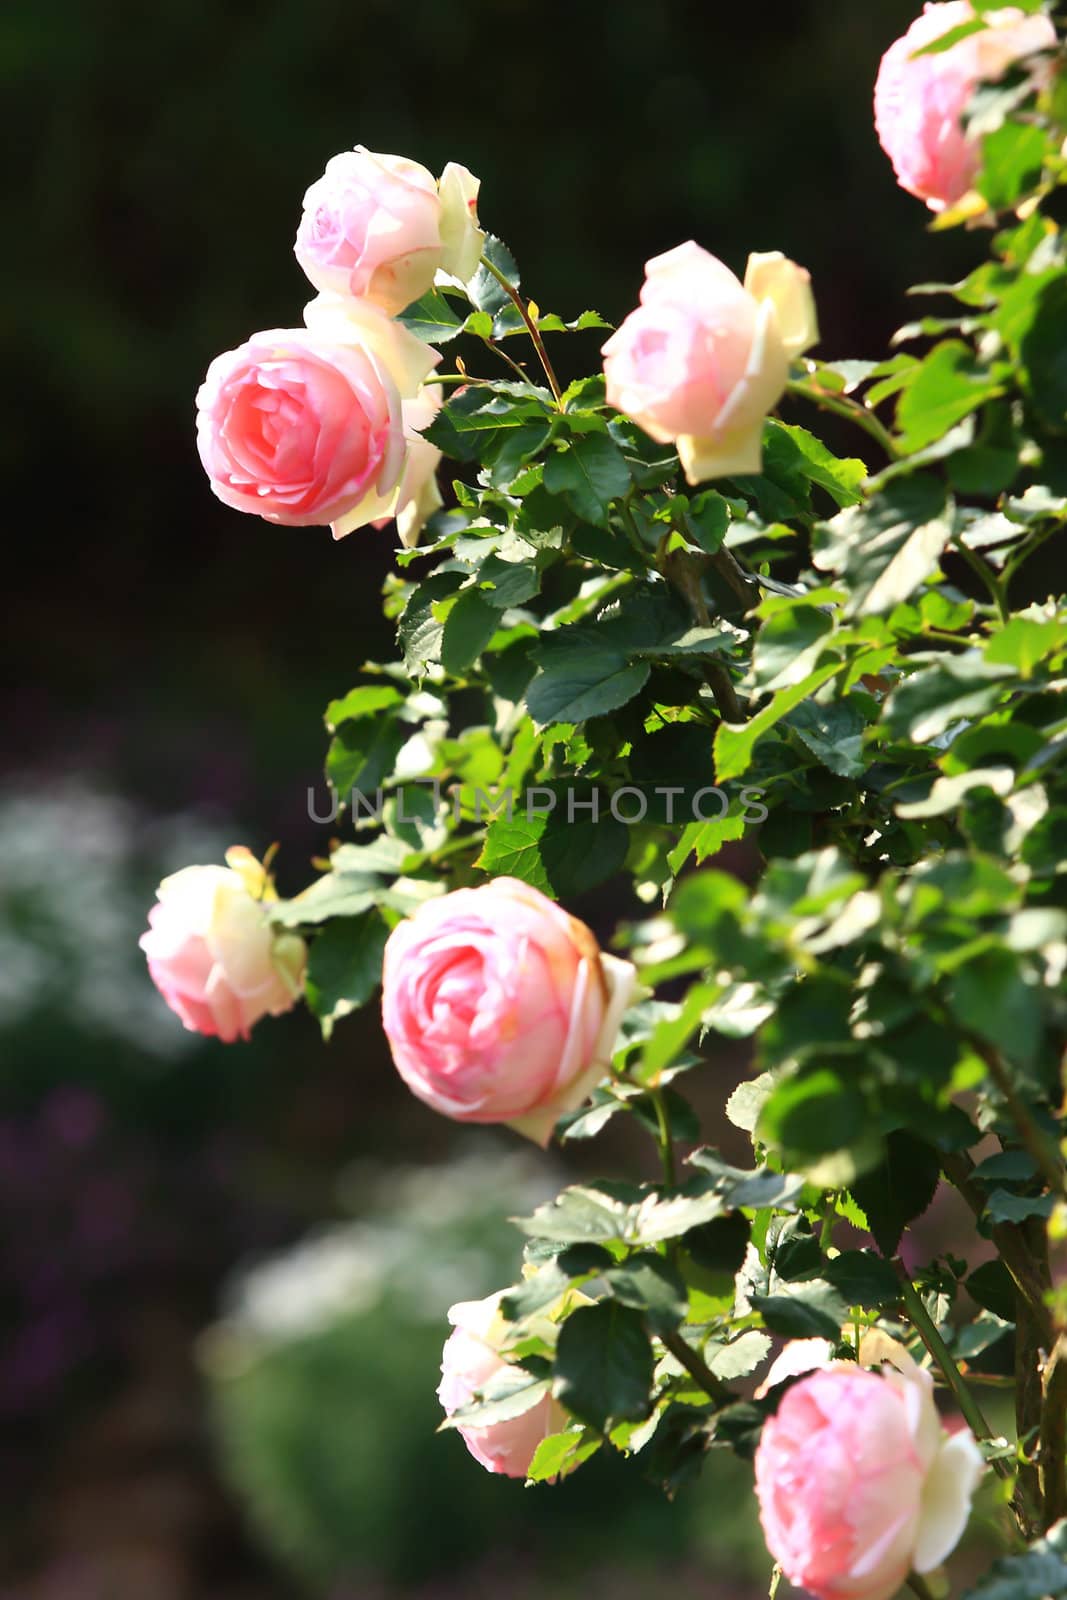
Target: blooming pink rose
(417, 494)
(379, 228)
(704, 357)
(305, 425)
(500, 1007)
(919, 103)
(858, 1483)
(468, 1361)
(212, 952)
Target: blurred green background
(169, 663)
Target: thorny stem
(851, 410)
(697, 1368)
(679, 568)
(1033, 1136)
(744, 587)
(1028, 1404)
(925, 1327)
(1025, 551)
(1053, 1446)
(531, 327)
(492, 346)
(1010, 1244)
(988, 578)
(666, 1143)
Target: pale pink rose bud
(919, 103)
(379, 228)
(704, 357)
(301, 430)
(500, 1007)
(212, 952)
(462, 240)
(859, 1483)
(417, 494)
(469, 1360)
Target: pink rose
(919, 103)
(858, 1483)
(704, 357)
(380, 227)
(470, 1358)
(499, 1007)
(417, 494)
(212, 952)
(305, 426)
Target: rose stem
(531, 327)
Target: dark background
(170, 659)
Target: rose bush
(868, 645)
(213, 954)
(499, 1007)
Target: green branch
(697, 1368)
(852, 410)
(531, 327)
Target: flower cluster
(499, 1006)
(322, 424)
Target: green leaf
(365, 701)
(945, 41)
(1003, 1206)
(604, 1365)
(706, 520)
(992, 1287)
(344, 967)
(559, 1454)
(841, 477)
(431, 318)
(720, 1245)
(362, 755)
(956, 688)
(755, 1190)
(335, 894)
(509, 1393)
(738, 1358)
(1024, 642)
(564, 853)
(804, 1310)
(991, 996)
(898, 1190)
(885, 549)
(863, 1279)
(1044, 353)
(948, 386)
(483, 290)
(1040, 1573)
(581, 676)
(1012, 158)
(589, 473)
(549, 322)
(833, 733)
(649, 1284)
(582, 1214)
(735, 743)
(813, 1114)
(468, 628)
